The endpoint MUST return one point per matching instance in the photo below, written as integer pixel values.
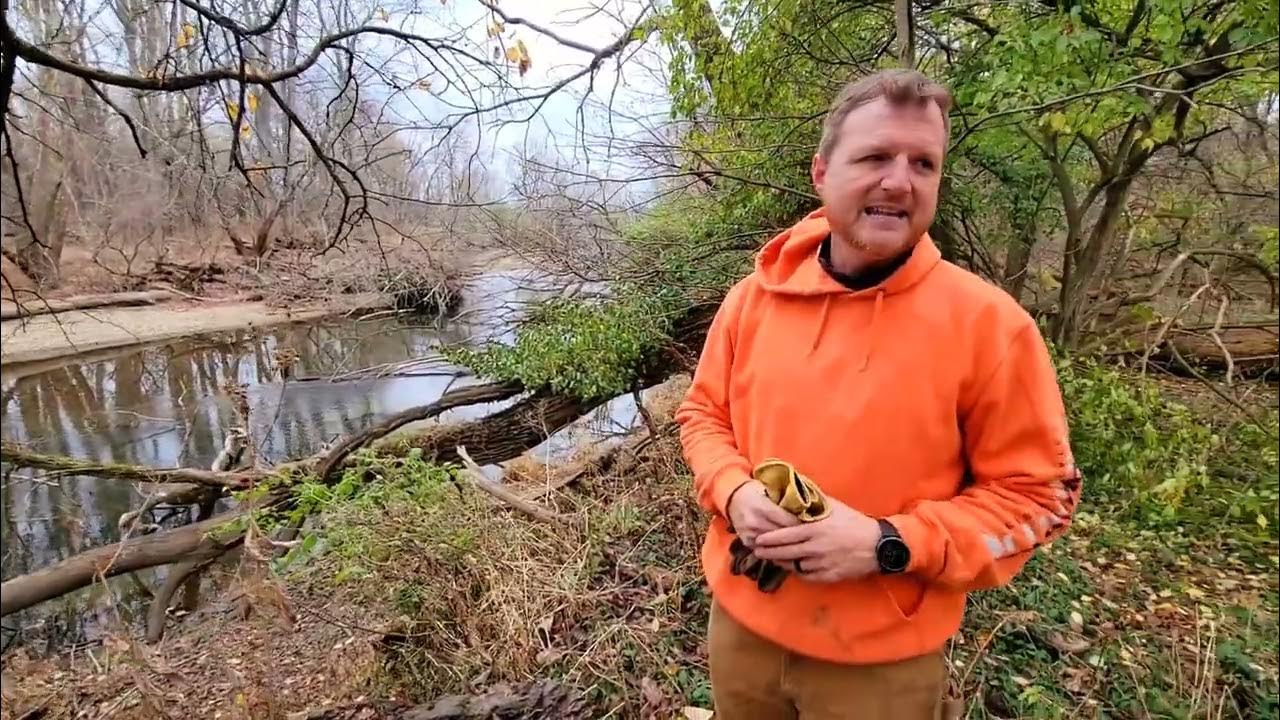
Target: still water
(167, 406)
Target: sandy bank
(82, 331)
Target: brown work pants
(754, 679)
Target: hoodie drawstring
(872, 331)
(822, 323)
(871, 334)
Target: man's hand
(841, 546)
(752, 513)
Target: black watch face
(893, 555)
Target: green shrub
(1145, 455)
(1129, 441)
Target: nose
(896, 177)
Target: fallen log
(528, 507)
(179, 576)
(475, 395)
(40, 306)
(191, 542)
(1249, 352)
(497, 437)
(542, 699)
(20, 456)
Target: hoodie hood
(788, 263)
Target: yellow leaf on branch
(519, 54)
(186, 35)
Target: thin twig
(1164, 328)
(1219, 392)
(1217, 339)
(484, 483)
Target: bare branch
(133, 128)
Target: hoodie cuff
(725, 485)
(927, 553)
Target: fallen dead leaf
(544, 628)
(1070, 644)
(548, 656)
(651, 693)
(1077, 621)
(1077, 680)
(696, 713)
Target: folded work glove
(796, 494)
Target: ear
(818, 172)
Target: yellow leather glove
(791, 491)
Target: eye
(875, 157)
(925, 164)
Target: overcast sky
(632, 84)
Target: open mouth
(882, 211)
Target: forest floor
(419, 589)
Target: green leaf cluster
(591, 350)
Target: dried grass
(482, 595)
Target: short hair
(897, 85)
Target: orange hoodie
(929, 399)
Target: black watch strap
(892, 553)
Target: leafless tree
(316, 121)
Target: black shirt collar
(869, 277)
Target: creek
(167, 406)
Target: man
(920, 401)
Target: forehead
(916, 127)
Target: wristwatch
(892, 552)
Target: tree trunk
(39, 247)
(706, 40)
(904, 25)
(1016, 260)
(1084, 262)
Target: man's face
(880, 183)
